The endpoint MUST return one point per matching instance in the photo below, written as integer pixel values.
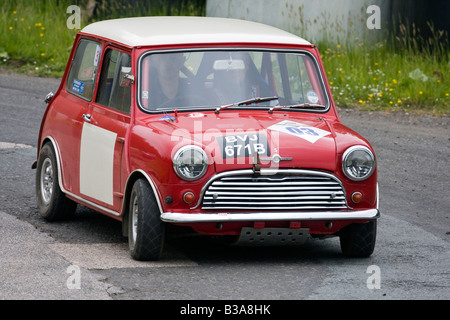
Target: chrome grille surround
(273, 189)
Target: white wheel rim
(134, 218)
(47, 181)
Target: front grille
(287, 190)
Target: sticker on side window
(78, 86)
(98, 50)
(311, 134)
(243, 145)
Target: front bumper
(172, 217)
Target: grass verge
(397, 74)
(381, 78)
(34, 38)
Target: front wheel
(51, 201)
(145, 228)
(358, 240)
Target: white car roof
(149, 31)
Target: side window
(113, 91)
(83, 71)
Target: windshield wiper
(245, 103)
(299, 106)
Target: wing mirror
(49, 97)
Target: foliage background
(404, 72)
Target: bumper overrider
(272, 195)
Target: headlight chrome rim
(177, 165)
(346, 169)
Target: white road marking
(10, 145)
(115, 255)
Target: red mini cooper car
(224, 126)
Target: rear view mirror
(227, 65)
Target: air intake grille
(307, 191)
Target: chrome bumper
(171, 217)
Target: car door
(102, 162)
(69, 109)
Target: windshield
(210, 79)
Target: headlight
(190, 162)
(358, 163)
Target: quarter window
(83, 70)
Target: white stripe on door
(96, 163)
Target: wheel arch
(133, 177)
(55, 147)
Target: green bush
(404, 72)
(34, 37)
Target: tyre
(51, 201)
(358, 240)
(145, 228)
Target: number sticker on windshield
(311, 134)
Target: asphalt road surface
(87, 258)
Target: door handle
(87, 117)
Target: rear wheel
(145, 228)
(358, 240)
(51, 201)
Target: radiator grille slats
(313, 191)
